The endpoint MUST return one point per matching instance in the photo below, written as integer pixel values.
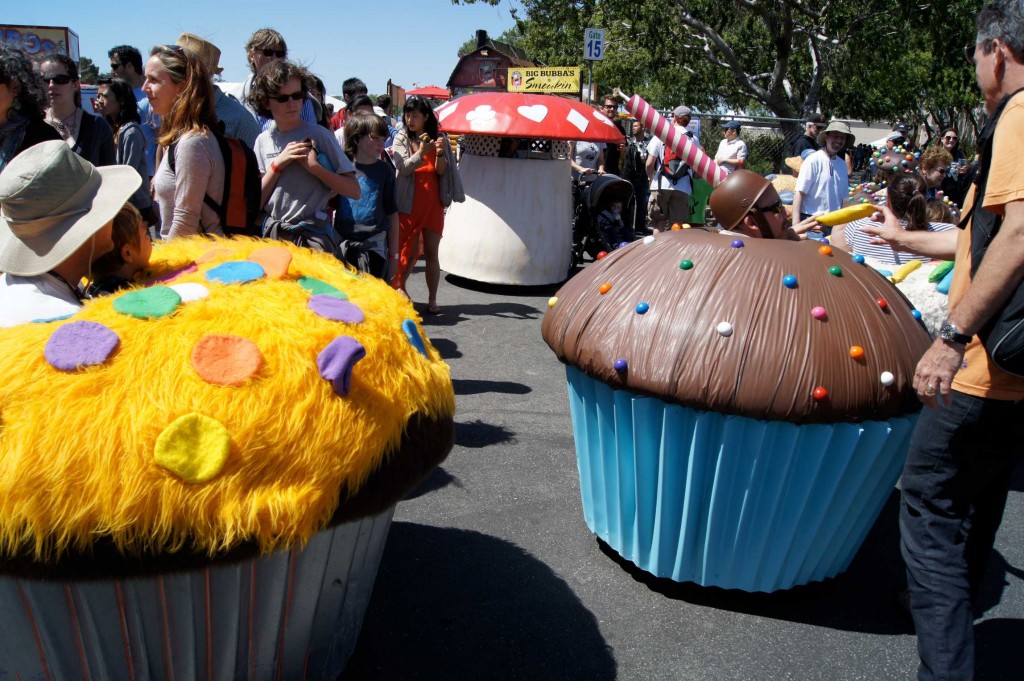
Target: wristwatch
(949, 332)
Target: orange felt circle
(214, 254)
(226, 360)
(274, 260)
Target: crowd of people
(79, 193)
(355, 183)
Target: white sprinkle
(887, 378)
(648, 240)
(724, 328)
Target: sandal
(434, 308)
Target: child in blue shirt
(368, 226)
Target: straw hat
(207, 52)
(52, 201)
(794, 163)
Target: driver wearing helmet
(748, 204)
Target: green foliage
(88, 72)
(870, 59)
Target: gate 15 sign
(593, 44)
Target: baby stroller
(591, 194)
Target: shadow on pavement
(457, 604)
(503, 289)
(1017, 480)
(862, 599)
(468, 386)
(475, 434)
(453, 314)
(439, 479)
(447, 348)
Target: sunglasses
(294, 96)
(267, 52)
(115, 67)
(59, 79)
(951, 138)
(776, 208)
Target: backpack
(673, 168)
(239, 209)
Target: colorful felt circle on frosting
(190, 292)
(194, 447)
(174, 274)
(336, 361)
(215, 254)
(274, 260)
(317, 287)
(226, 359)
(413, 334)
(335, 309)
(148, 303)
(80, 344)
(236, 272)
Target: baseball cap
(681, 111)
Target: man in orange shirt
(971, 431)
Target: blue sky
(406, 41)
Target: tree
(787, 58)
(88, 72)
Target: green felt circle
(317, 287)
(148, 303)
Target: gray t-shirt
(298, 196)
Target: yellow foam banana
(904, 270)
(848, 214)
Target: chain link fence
(769, 140)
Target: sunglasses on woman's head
(59, 79)
(267, 52)
(295, 96)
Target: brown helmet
(737, 194)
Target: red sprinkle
(881, 303)
(820, 393)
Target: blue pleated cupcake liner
(289, 615)
(729, 501)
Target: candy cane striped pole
(702, 164)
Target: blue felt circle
(235, 272)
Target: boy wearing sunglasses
(748, 204)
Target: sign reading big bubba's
(558, 79)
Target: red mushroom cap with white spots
(514, 114)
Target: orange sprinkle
(605, 288)
(825, 250)
(856, 352)
(676, 226)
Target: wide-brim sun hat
(207, 52)
(837, 126)
(52, 201)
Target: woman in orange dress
(422, 156)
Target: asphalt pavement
(490, 571)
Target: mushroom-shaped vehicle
(515, 226)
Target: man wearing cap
(670, 199)
(732, 151)
(809, 140)
(747, 203)
(237, 120)
(56, 216)
(823, 181)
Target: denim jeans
(954, 488)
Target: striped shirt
(858, 242)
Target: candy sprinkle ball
(604, 288)
(686, 265)
(676, 227)
(648, 240)
(552, 300)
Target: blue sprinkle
(825, 241)
(916, 313)
(859, 259)
(413, 334)
(789, 281)
(641, 308)
(235, 272)
(621, 365)
(737, 243)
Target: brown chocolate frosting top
(722, 331)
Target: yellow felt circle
(194, 447)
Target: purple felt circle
(80, 344)
(335, 309)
